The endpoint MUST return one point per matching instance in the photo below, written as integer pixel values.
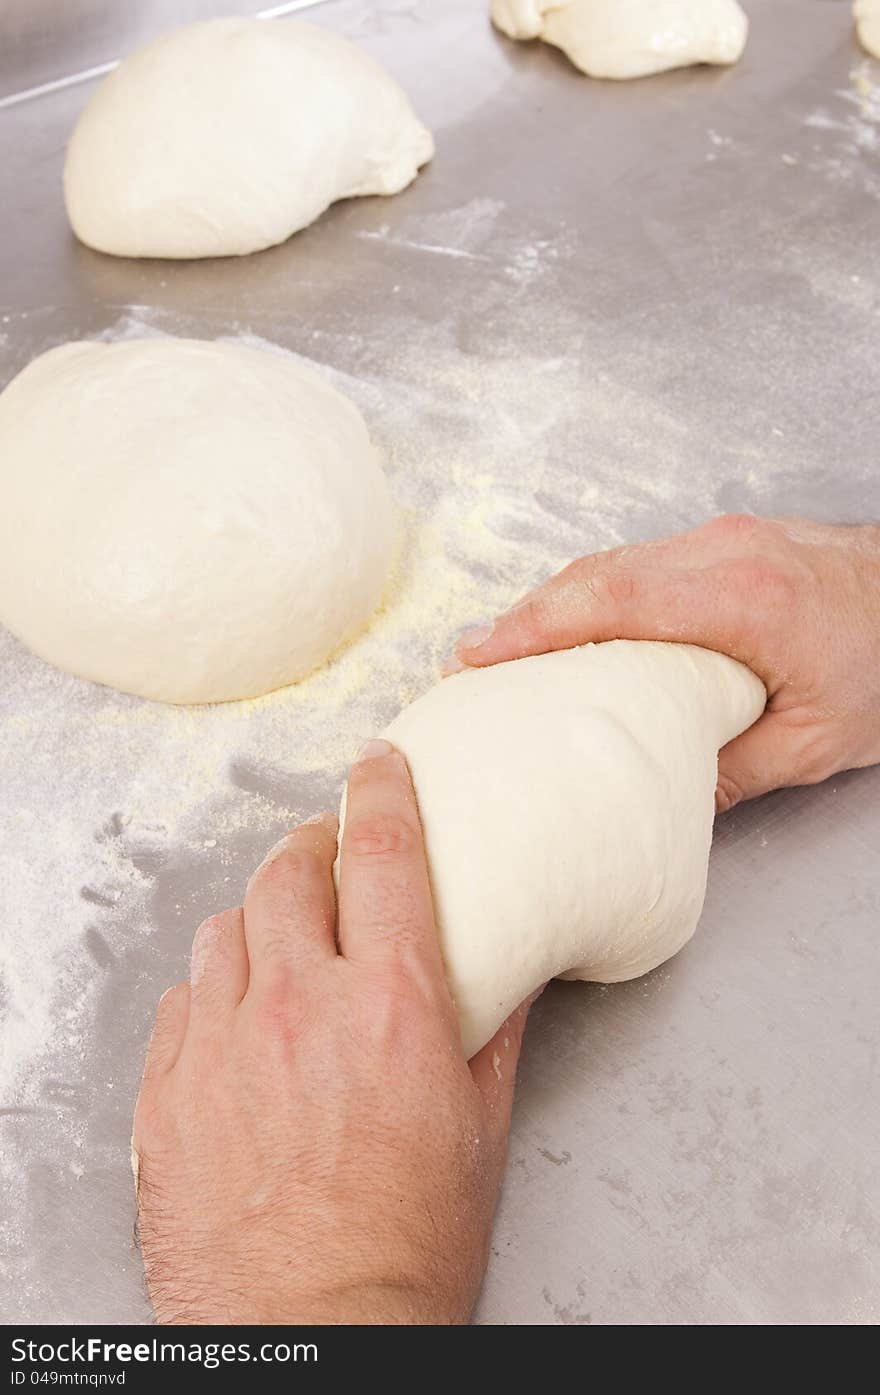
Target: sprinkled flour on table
(853, 123)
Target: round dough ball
(185, 520)
(567, 803)
(867, 14)
(227, 136)
(629, 38)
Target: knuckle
(295, 862)
(211, 927)
(605, 581)
(215, 928)
(283, 1011)
(734, 525)
(209, 944)
(763, 579)
(581, 567)
(615, 588)
(814, 755)
(745, 529)
(170, 1011)
(383, 835)
(277, 983)
(580, 573)
(171, 1002)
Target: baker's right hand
(798, 602)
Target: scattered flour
(856, 127)
(466, 233)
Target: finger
(504, 638)
(163, 1051)
(494, 1068)
(290, 903)
(218, 966)
(608, 597)
(773, 754)
(169, 1030)
(385, 908)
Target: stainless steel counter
(623, 307)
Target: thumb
(625, 594)
(754, 763)
(494, 1068)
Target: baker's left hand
(312, 1144)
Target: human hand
(312, 1145)
(797, 602)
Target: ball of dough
(629, 38)
(229, 135)
(567, 804)
(867, 13)
(186, 520)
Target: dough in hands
(629, 38)
(867, 13)
(229, 135)
(567, 804)
(185, 520)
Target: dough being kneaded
(867, 14)
(227, 136)
(567, 804)
(629, 38)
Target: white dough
(867, 13)
(186, 520)
(567, 803)
(229, 135)
(629, 38)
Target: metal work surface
(605, 312)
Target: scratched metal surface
(700, 1146)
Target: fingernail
(325, 820)
(372, 750)
(472, 639)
